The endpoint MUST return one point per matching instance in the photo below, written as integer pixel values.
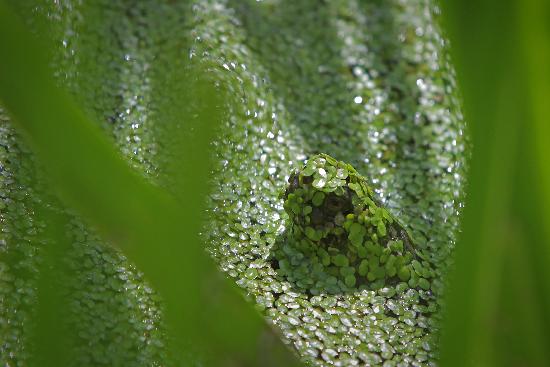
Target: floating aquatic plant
(340, 237)
(353, 88)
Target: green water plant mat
(366, 82)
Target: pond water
(368, 82)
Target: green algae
(294, 71)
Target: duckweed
(294, 70)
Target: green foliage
(500, 289)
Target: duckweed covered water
(366, 82)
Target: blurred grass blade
(155, 232)
(535, 28)
(499, 291)
(51, 337)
